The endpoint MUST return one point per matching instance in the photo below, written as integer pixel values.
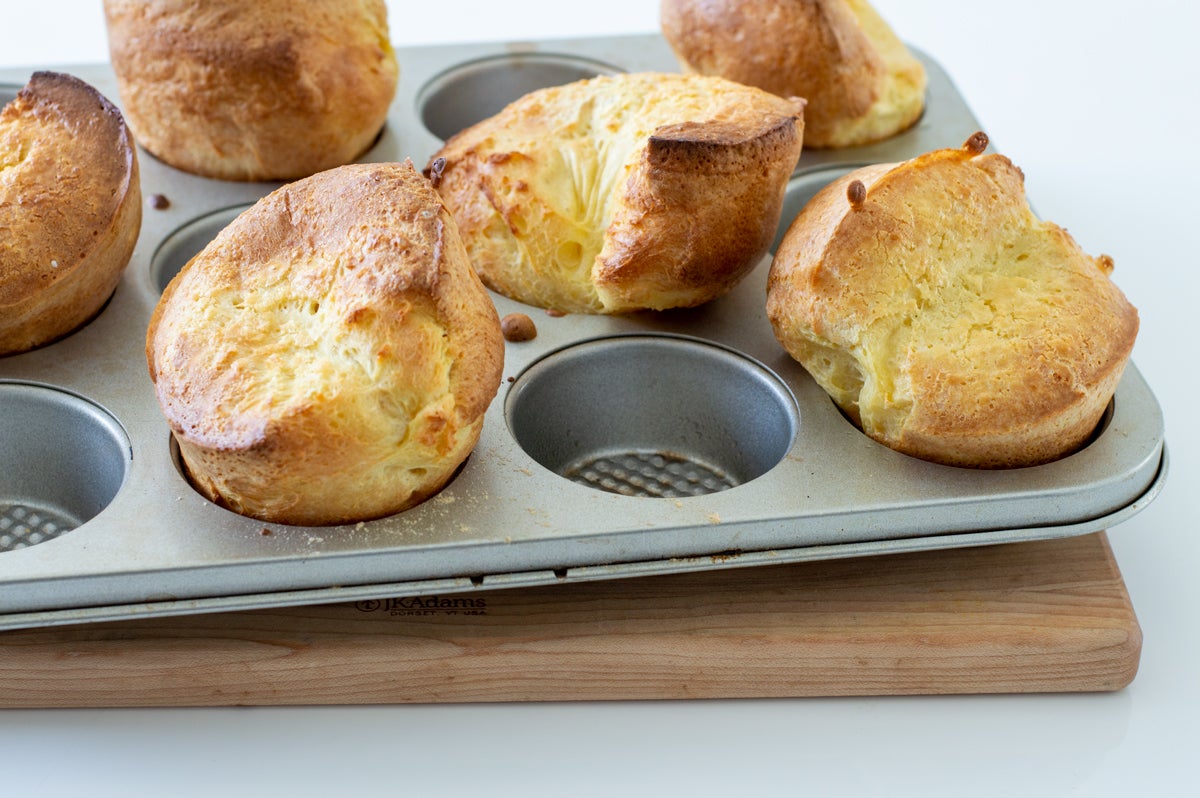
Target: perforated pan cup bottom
(652, 415)
(656, 474)
(22, 525)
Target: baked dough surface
(70, 208)
(945, 318)
(861, 83)
(329, 357)
(260, 90)
(622, 193)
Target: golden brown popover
(70, 208)
(329, 357)
(945, 318)
(861, 82)
(622, 193)
(263, 90)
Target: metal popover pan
(617, 447)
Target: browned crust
(694, 199)
(1002, 365)
(70, 208)
(711, 190)
(373, 249)
(268, 90)
(816, 49)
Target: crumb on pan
(518, 327)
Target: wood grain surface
(1046, 616)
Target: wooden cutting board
(1029, 617)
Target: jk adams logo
(425, 605)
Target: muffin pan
(617, 447)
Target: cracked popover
(945, 318)
(616, 194)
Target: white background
(1097, 102)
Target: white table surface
(1097, 102)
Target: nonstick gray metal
(618, 447)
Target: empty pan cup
(62, 461)
(652, 415)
